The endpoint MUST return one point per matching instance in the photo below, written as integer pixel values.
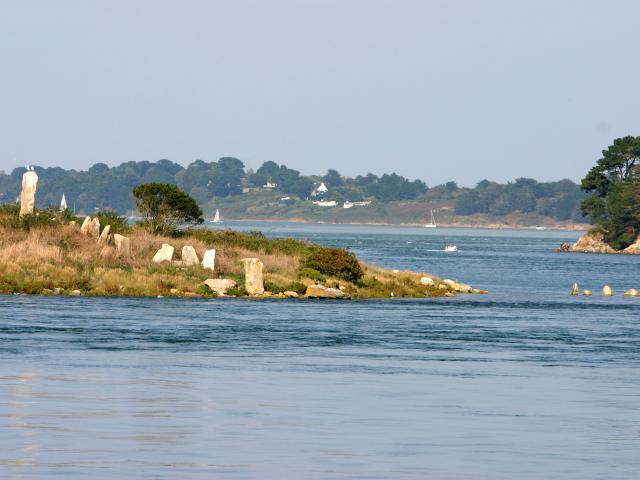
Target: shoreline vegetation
(48, 252)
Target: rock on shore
(591, 243)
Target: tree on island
(614, 185)
(165, 206)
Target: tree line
(109, 188)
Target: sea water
(526, 382)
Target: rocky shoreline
(593, 242)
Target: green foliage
(311, 274)
(165, 206)
(42, 217)
(255, 241)
(395, 187)
(559, 200)
(335, 262)
(118, 222)
(287, 180)
(614, 185)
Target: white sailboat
(216, 217)
(63, 203)
(432, 222)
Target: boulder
(607, 291)
(253, 281)
(587, 293)
(105, 237)
(319, 291)
(165, 254)
(75, 293)
(592, 243)
(291, 294)
(189, 256)
(85, 225)
(457, 287)
(92, 227)
(574, 289)
(632, 292)
(122, 243)
(209, 259)
(220, 285)
(28, 195)
(428, 281)
(634, 247)
(564, 247)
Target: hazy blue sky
(438, 90)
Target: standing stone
(253, 282)
(587, 293)
(189, 256)
(123, 244)
(85, 225)
(632, 292)
(105, 237)
(94, 228)
(607, 291)
(575, 290)
(209, 259)
(165, 254)
(28, 195)
(428, 281)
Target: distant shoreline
(577, 227)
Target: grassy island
(46, 252)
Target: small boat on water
(216, 217)
(451, 248)
(432, 221)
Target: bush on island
(335, 262)
(163, 207)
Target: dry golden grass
(42, 259)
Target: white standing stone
(607, 291)
(85, 225)
(189, 256)
(209, 259)
(94, 228)
(28, 195)
(122, 243)
(165, 254)
(253, 281)
(105, 237)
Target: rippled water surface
(527, 382)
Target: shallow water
(527, 382)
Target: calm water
(527, 382)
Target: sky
(433, 89)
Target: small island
(52, 252)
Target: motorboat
(451, 248)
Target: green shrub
(43, 217)
(254, 241)
(297, 287)
(273, 287)
(311, 274)
(335, 262)
(118, 222)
